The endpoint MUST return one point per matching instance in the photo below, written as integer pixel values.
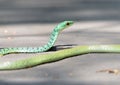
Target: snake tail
(58, 55)
(52, 40)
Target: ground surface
(79, 70)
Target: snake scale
(58, 55)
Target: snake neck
(52, 40)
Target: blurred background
(48, 11)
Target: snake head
(63, 25)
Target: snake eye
(67, 23)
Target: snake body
(46, 47)
(58, 55)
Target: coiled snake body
(58, 55)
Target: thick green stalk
(45, 58)
(58, 55)
(104, 48)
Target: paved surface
(79, 70)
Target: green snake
(46, 47)
(54, 56)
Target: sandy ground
(79, 70)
